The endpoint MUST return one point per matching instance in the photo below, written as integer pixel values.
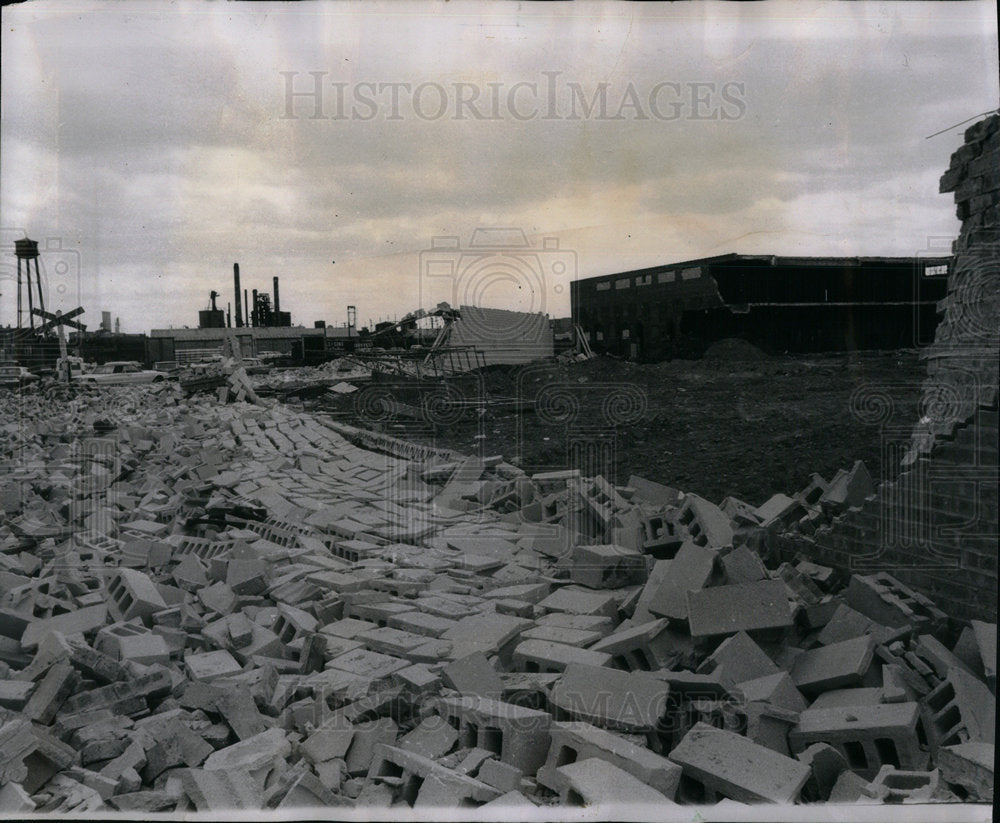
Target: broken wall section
(935, 527)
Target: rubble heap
(210, 606)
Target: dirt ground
(736, 422)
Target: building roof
(769, 260)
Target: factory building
(800, 304)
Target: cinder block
(968, 768)
(693, 567)
(222, 790)
(517, 735)
(643, 647)
(255, 754)
(368, 736)
(412, 772)
(748, 607)
(906, 786)
(735, 767)
(961, 709)
(612, 699)
(576, 741)
(59, 683)
(743, 566)
(326, 744)
(607, 567)
(547, 657)
(707, 524)
(500, 775)
(473, 675)
(432, 738)
(595, 782)
(737, 659)
(867, 736)
(207, 666)
(576, 600)
(837, 666)
(132, 594)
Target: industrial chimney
(277, 304)
(236, 285)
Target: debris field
(207, 606)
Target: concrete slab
(737, 768)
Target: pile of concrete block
(207, 607)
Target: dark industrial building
(800, 304)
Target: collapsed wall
(935, 525)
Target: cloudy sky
(152, 145)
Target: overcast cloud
(153, 141)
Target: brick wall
(935, 527)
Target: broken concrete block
(902, 786)
(837, 666)
(885, 600)
(848, 489)
(433, 738)
(986, 640)
(607, 567)
(473, 675)
(868, 736)
(748, 607)
(776, 689)
(237, 707)
(612, 699)
(852, 788)
(693, 568)
(643, 647)
(576, 741)
(517, 735)
(82, 621)
(366, 739)
(222, 790)
(733, 766)
(255, 754)
(847, 623)
(326, 744)
(175, 745)
(968, 769)
(742, 565)
(595, 782)
(826, 764)
(52, 690)
(14, 799)
(411, 773)
(737, 659)
(30, 756)
(499, 775)
(575, 600)
(207, 666)
(547, 657)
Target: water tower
(27, 250)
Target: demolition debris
(217, 602)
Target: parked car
(121, 372)
(12, 374)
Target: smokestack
(256, 319)
(277, 304)
(229, 315)
(246, 307)
(236, 285)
